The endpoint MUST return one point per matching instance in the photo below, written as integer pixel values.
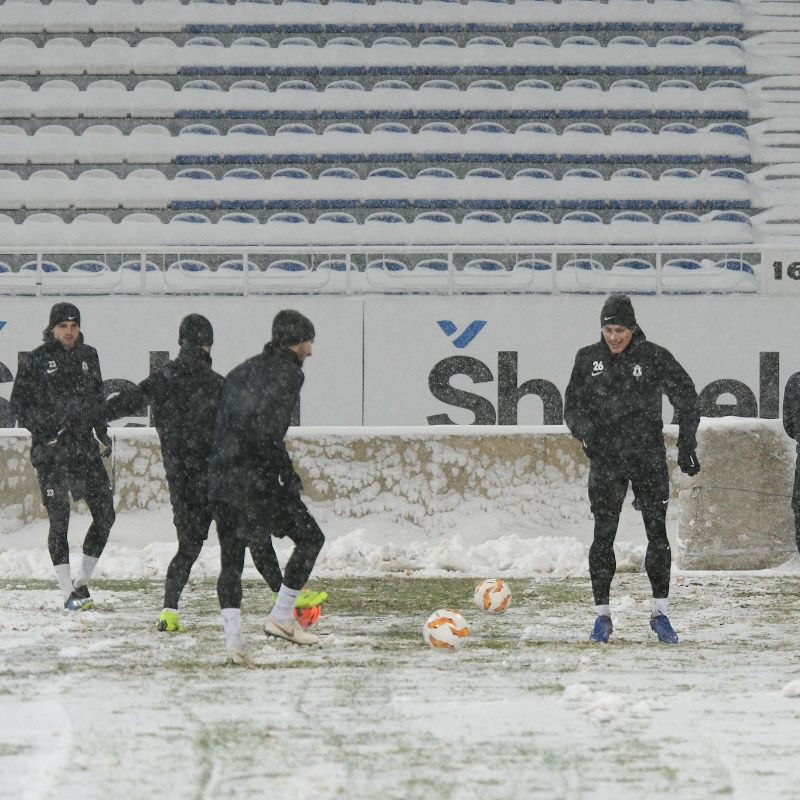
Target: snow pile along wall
(736, 513)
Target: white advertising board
(126, 330)
(431, 360)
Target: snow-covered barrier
(736, 513)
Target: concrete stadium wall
(734, 515)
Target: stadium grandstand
(388, 145)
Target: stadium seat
(239, 228)
(436, 188)
(583, 276)
(633, 276)
(337, 187)
(534, 188)
(677, 189)
(631, 227)
(739, 275)
(482, 227)
(684, 276)
(581, 227)
(531, 227)
(198, 143)
(434, 227)
(12, 190)
(536, 143)
(680, 227)
(583, 188)
(335, 227)
(387, 186)
(631, 188)
(241, 188)
(534, 275)
(384, 227)
(287, 227)
(49, 188)
(289, 188)
(147, 144)
(98, 188)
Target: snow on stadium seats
(58, 98)
(438, 99)
(139, 277)
(728, 227)
(582, 97)
(685, 276)
(632, 141)
(630, 97)
(97, 144)
(203, 16)
(239, 228)
(631, 55)
(583, 142)
(336, 187)
(156, 55)
(106, 55)
(535, 142)
(633, 276)
(86, 276)
(384, 227)
(201, 99)
(104, 98)
(188, 275)
(335, 227)
(48, 188)
(149, 144)
(534, 275)
(738, 276)
(579, 55)
(531, 227)
(289, 188)
(726, 142)
(199, 143)
(631, 188)
(582, 276)
(97, 188)
(15, 144)
(726, 99)
(288, 227)
(436, 188)
(678, 98)
(484, 188)
(582, 187)
(727, 188)
(41, 227)
(533, 53)
(680, 227)
(676, 186)
(438, 141)
(94, 227)
(386, 186)
(146, 188)
(342, 142)
(115, 16)
(581, 227)
(203, 55)
(241, 188)
(434, 227)
(193, 189)
(52, 144)
(534, 188)
(40, 267)
(18, 56)
(482, 227)
(388, 52)
(631, 227)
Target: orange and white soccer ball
(445, 629)
(492, 595)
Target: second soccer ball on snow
(445, 629)
(492, 595)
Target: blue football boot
(603, 626)
(663, 629)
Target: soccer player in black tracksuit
(613, 405)
(252, 483)
(184, 395)
(57, 396)
(791, 424)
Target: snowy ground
(100, 705)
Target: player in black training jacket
(184, 395)
(57, 396)
(253, 486)
(791, 424)
(613, 405)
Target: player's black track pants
(253, 527)
(608, 484)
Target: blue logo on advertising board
(466, 336)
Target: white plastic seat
(12, 189)
(52, 144)
(101, 144)
(49, 188)
(98, 188)
(15, 144)
(146, 188)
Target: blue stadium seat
(290, 266)
(246, 143)
(583, 276)
(393, 100)
(738, 144)
(241, 188)
(683, 276)
(488, 142)
(434, 56)
(385, 227)
(581, 227)
(482, 227)
(431, 266)
(739, 275)
(248, 99)
(677, 149)
(634, 276)
(483, 265)
(439, 141)
(391, 141)
(246, 56)
(534, 274)
(434, 227)
(205, 147)
(680, 227)
(631, 227)
(344, 142)
(537, 99)
(386, 186)
(674, 187)
(438, 99)
(337, 187)
(727, 188)
(631, 142)
(193, 190)
(203, 55)
(583, 143)
(678, 98)
(483, 188)
(583, 188)
(290, 188)
(629, 97)
(288, 227)
(436, 187)
(571, 59)
(582, 98)
(201, 99)
(531, 227)
(728, 226)
(632, 56)
(631, 188)
(535, 143)
(534, 188)
(46, 266)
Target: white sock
(660, 605)
(85, 571)
(232, 625)
(602, 611)
(64, 579)
(284, 606)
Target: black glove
(105, 441)
(687, 460)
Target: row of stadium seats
(292, 143)
(395, 56)
(191, 275)
(171, 16)
(391, 187)
(392, 99)
(337, 228)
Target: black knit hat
(290, 327)
(196, 330)
(63, 312)
(618, 310)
